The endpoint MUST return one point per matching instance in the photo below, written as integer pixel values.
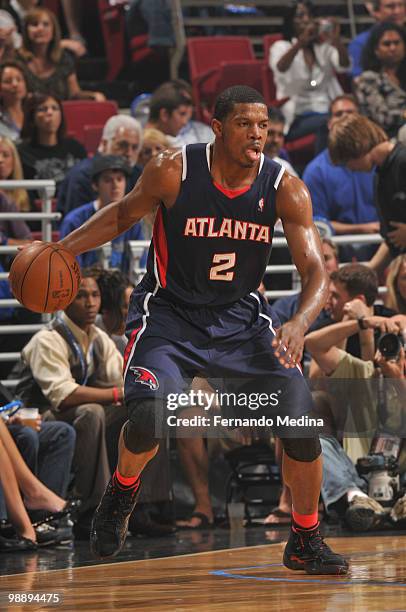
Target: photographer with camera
(375, 410)
(304, 66)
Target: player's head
(109, 178)
(275, 138)
(240, 124)
(351, 141)
(86, 305)
(122, 135)
(348, 283)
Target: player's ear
(217, 127)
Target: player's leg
(137, 446)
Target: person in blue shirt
(343, 198)
(109, 175)
(393, 11)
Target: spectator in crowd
(343, 198)
(286, 307)
(361, 145)
(10, 40)
(304, 66)
(72, 368)
(276, 138)
(381, 88)
(154, 141)
(45, 151)
(392, 11)
(194, 131)
(396, 285)
(50, 68)
(47, 450)
(109, 174)
(13, 91)
(170, 110)
(11, 170)
(17, 480)
(115, 291)
(122, 135)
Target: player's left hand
(288, 343)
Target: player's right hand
(24, 246)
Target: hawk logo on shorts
(261, 205)
(145, 377)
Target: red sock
(305, 521)
(126, 483)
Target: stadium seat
(82, 113)
(92, 136)
(214, 63)
(112, 22)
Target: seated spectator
(109, 176)
(304, 66)
(396, 285)
(170, 110)
(381, 88)
(343, 197)
(72, 368)
(17, 480)
(13, 91)
(154, 141)
(194, 131)
(286, 307)
(392, 11)
(45, 151)
(115, 291)
(50, 69)
(10, 40)
(11, 170)
(122, 135)
(360, 144)
(276, 138)
(13, 232)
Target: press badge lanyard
(78, 350)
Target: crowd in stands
(55, 472)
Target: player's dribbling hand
(29, 243)
(288, 344)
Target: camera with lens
(381, 468)
(390, 345)
(325, 27)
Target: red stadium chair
(213, 61)
(80, 113)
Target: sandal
(204, 522)
(71, 507)
(285, 517)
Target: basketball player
(197, 310)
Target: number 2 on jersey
(223, 261)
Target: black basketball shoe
(110, 521)
(306, 550)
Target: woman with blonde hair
(396, 285)
(11, 170)
(50, 69)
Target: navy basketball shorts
(230, 346)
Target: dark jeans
(48, 453)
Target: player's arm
(294, 207)
(159, 182)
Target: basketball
(45, 277)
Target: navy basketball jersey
(209, 248)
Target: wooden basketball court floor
(238, 579)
